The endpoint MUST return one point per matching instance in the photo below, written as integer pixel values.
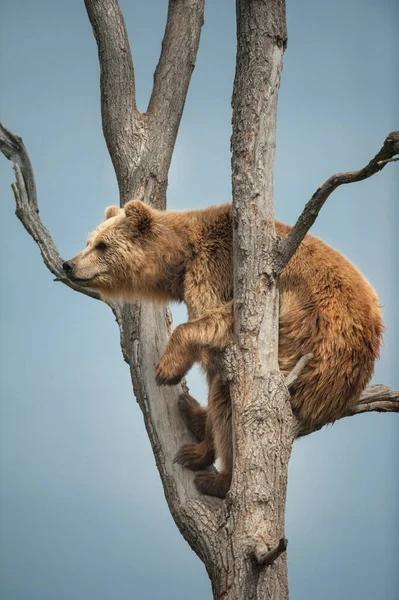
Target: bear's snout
(68, 266)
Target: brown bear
(326, 308)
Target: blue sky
(82, 512)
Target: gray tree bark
(263, 421)
(241, 540)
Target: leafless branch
(141, 145)
(177, 61)
(118, 100)
(27, 209)
(171, 80)
(375, 398)
(300, 365)
(289, 245)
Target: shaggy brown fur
(326, 307)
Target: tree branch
(27, 209)
(141, 145)
(171, 80)
(297, 370)
(290, 244)
(118, 100)
(176, 63)
(375, 398)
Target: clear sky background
(82, 512)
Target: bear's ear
(139, 214)
(112, 211)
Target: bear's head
(115, 261)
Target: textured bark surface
(241, 541)
(141, 144)
(263, 420)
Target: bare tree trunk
(262, 416)
(241, 540)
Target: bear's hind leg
(195, 456)
(194, 415)
(213, 484)
(202, 455)
(219, 413)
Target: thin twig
(290, 244)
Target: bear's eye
(101, 246)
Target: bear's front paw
(165, 376)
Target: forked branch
(376, 398)
(141, 145)
(290, 244)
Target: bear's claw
(167, 379)
(167, 373)
(195, 456)
(181, 457)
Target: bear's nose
(67, 266)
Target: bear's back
(328, 308)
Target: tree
(258, 69)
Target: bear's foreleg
(210, 332)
